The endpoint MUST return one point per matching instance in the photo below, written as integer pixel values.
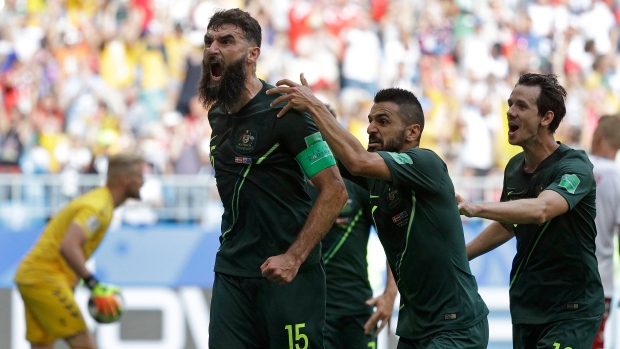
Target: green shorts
(347, 332)
(475, 337)
(572, 333)
(257, 313)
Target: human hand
(465, 207)
(297, 96)
(105, 301)
(384, 307)
(281, 269)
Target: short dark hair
(408, 105)
(552, 96)
(249, 26)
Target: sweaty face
(386, 130)
(220, 83)
(523, 118)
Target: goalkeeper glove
(104, 297)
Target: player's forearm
(390, 285)
(326, 209)
(76, 261)
(524, 211)
(342, 143)
(493, 236)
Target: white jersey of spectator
(596, 24)
(363, 53)
(481, 128)
(607, 175)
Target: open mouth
(216, 70)
(374, 143)
(512, 129)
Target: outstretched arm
(332, 197)
(342, 143)
(384, 304)
(549, 204)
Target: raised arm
(343, 144)
(332, 197)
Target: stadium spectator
(605, 145)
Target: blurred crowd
(83, 79)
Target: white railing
(169, 197)
(39, 197)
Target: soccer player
(605, 145)
(48, 274)
(548, 203)
(269, 287)
(350, 320)
(415, 215)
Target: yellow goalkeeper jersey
(44, 263)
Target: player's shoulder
(97, 199)
(574, 158)
(424, 155)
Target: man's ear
(412, 132)
(253, 54)
(546, 119)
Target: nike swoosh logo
(511, 191)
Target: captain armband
(315, 158)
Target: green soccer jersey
(344, 250)
(419, 225)
(554, 273)
(262, 186)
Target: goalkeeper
(48, 274)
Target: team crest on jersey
(246, 142)
(393, 198)
(570, 182)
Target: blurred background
(80, 80)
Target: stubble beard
(227, 92)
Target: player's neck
(537, 153)
(252, 87)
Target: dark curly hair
(250, 27)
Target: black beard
(393, 145)
(227, 92)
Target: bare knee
(42, 346)
(82, 340)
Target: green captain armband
(315, 158)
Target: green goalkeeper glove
(104, 302)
